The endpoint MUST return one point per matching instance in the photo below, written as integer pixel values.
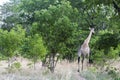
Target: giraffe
(84, 50)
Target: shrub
(117, 78)
(89, 75)
(16, 65)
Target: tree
(33, 48)
(58, 26)
(56, 22)
(63, 25)
(104, 16)
(105, 46)
(21, 12)
(11, 41)
(9, 15)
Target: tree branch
(116, 6)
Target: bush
(117, 78)
(16, 65)
(89, 75)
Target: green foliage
(11, 41)
(113, 53)
(55, 20)
(113, 72)
(108, 40)
(2, 57)
(16, 65)
(105, 46)
(117, 78)
(38, 49)
(98, 57)
(62, 25)
(58, 26)
(33, 48)
(95, 76)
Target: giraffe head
(92, 30)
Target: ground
(63, 71)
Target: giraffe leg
(82, 62)
(78, 63)
(87, 61)
(90, 60)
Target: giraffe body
(84, 50)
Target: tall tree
(58, 26)
(56, 21)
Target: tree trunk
(34, 62)
(34, 66)
(51, 59)
(9, 63)
(45, 61)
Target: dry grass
(63, 71)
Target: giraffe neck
(88, 38)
